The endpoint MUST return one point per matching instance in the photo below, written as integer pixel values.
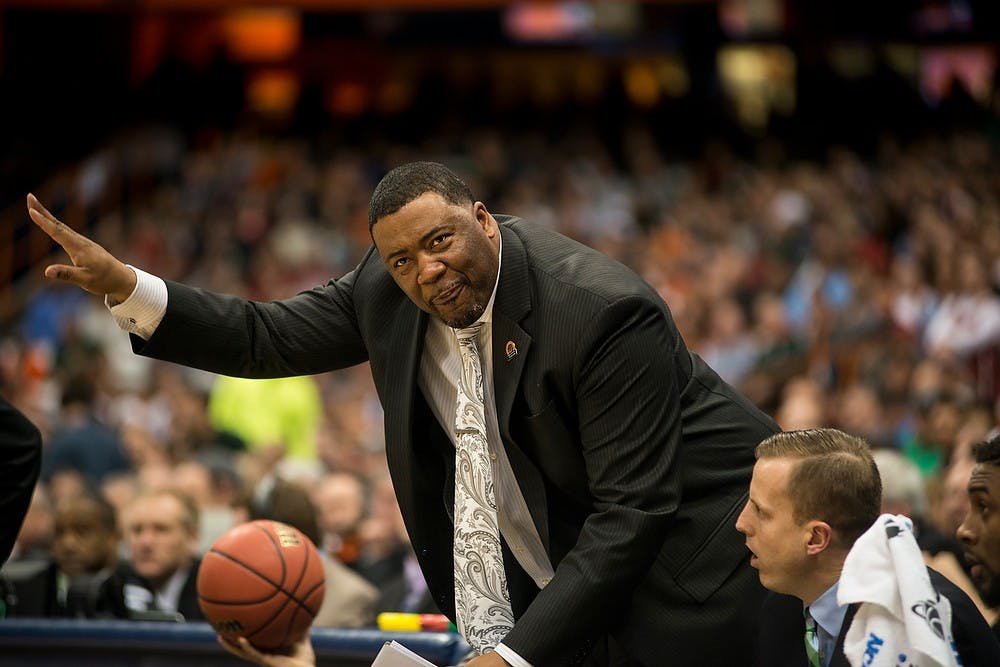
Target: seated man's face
(775, 539)
(159, 542)
(980, 531)
(84, 541)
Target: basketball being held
(264, 581)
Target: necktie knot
(469, 333)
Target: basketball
(262, 580)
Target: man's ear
(820, 536)
(483, 217)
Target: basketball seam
(300, 604)
(277, 587)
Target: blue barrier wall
(81, 643)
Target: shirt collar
(827, 613)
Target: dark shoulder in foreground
(20, 464)
(566, 260)
(976, 642)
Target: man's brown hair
(835, 479)
(190, 512)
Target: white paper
(394, 654)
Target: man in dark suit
(20, 463)
(161, 533)
(619, 460)
(980, 531)
(80, 579)
(812, 495)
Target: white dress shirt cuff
(145, 307)
(512, 658)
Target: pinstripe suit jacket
(633, 456)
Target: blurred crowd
(858, 291)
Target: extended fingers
(71, 274)
(49, 223)
(243, 649)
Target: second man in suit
(161, 532)
(813, 495)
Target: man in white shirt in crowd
(161, 532)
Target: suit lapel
(511, 345)
(406, 341)
(839, 659)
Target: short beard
(469, 318)
(990, 592)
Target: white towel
(901, 619)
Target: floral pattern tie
(482, 601)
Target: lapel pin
(511, 350)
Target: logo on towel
(894, 527)
(927, 610)
(872, 647)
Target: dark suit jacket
(782, 628)
(20, 462)
(633, 456)
(187, 603)
(31, 591)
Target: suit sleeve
(628, 396)
(20, 462)
(312, 332)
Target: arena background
(812, 186)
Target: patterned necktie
(482, 602)
(811, 639)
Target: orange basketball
(262, 580)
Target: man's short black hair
(988, 451)
(407, 182)
(107, 515)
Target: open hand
(94, 268)
(302, 653)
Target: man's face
(776, 541)
(82, 543)
(980, 532)
(159, 542)
(341, 504)
(445, 257)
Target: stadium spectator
(80, 579)
(83, 445)
(342, 503)
(161, 533)
(215, 486)
(980, 532)
(277, 418)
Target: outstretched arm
(313, 332)
(93, 268)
